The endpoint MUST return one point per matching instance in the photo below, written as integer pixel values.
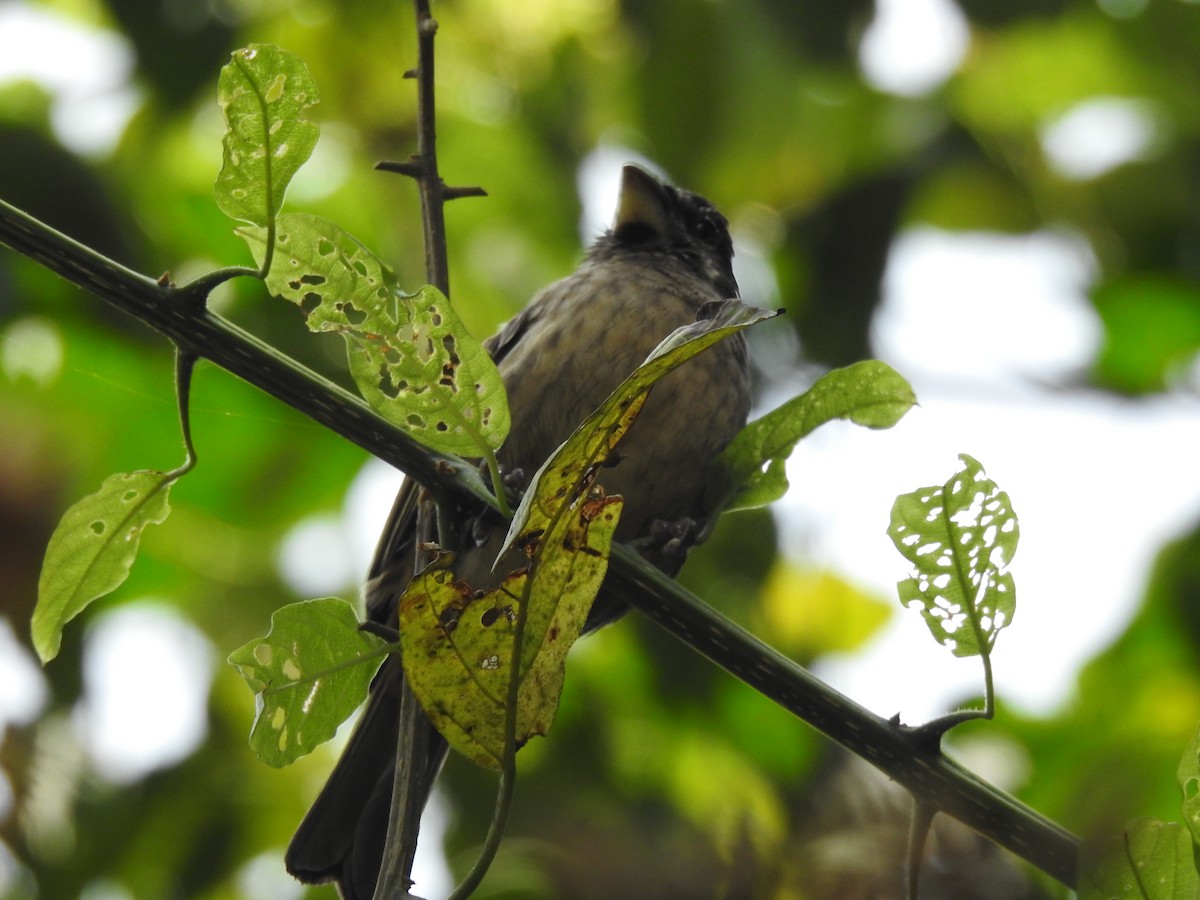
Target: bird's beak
(642, 202)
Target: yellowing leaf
(457, 647)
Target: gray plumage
(667, 255)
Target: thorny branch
(904, 754)
(423, 165)
(900, 753)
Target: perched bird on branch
(667, 255)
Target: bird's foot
(667, 542)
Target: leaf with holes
(264, 92)
(960, 539)
(869, 393)
(93, 548)
(310, 672)
(1151, 860)
(410, 355)
(457, 645)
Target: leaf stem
(268, 165)
(918, 834)
(935, 729)
(185, 364)
(508, 765)
(989, 694)
(198, 290)
(498, 486)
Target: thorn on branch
(454, 193)
(412, 168)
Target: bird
(665, 261)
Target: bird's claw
(667, 542)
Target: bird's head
(656, 218)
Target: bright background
(1000, 199)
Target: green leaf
(1188, 776)
(1151, 860)
(960, 538)
(869, 393)
(411, 356)
(457, 646)
(93, 548)
(337, 282)
(592, 443)
(310, 672)
(264, 92)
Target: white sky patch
(31, 348)
(147, 673)
(1098, 135)
(87, 70)
(1099, 484)
(431, 875)
(329, 554)
(265, 876)
(329, 166)
(367, 505)
(987, 307)
(314, 557)
(598, 181)
(23, 691)
(912, 46)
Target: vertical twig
(408, 792)
(423, 166)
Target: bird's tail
(342, 838)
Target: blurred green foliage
(663, 777)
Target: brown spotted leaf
(457, 647)
(410, 355)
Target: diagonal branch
(174, 312)
(903, 754)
